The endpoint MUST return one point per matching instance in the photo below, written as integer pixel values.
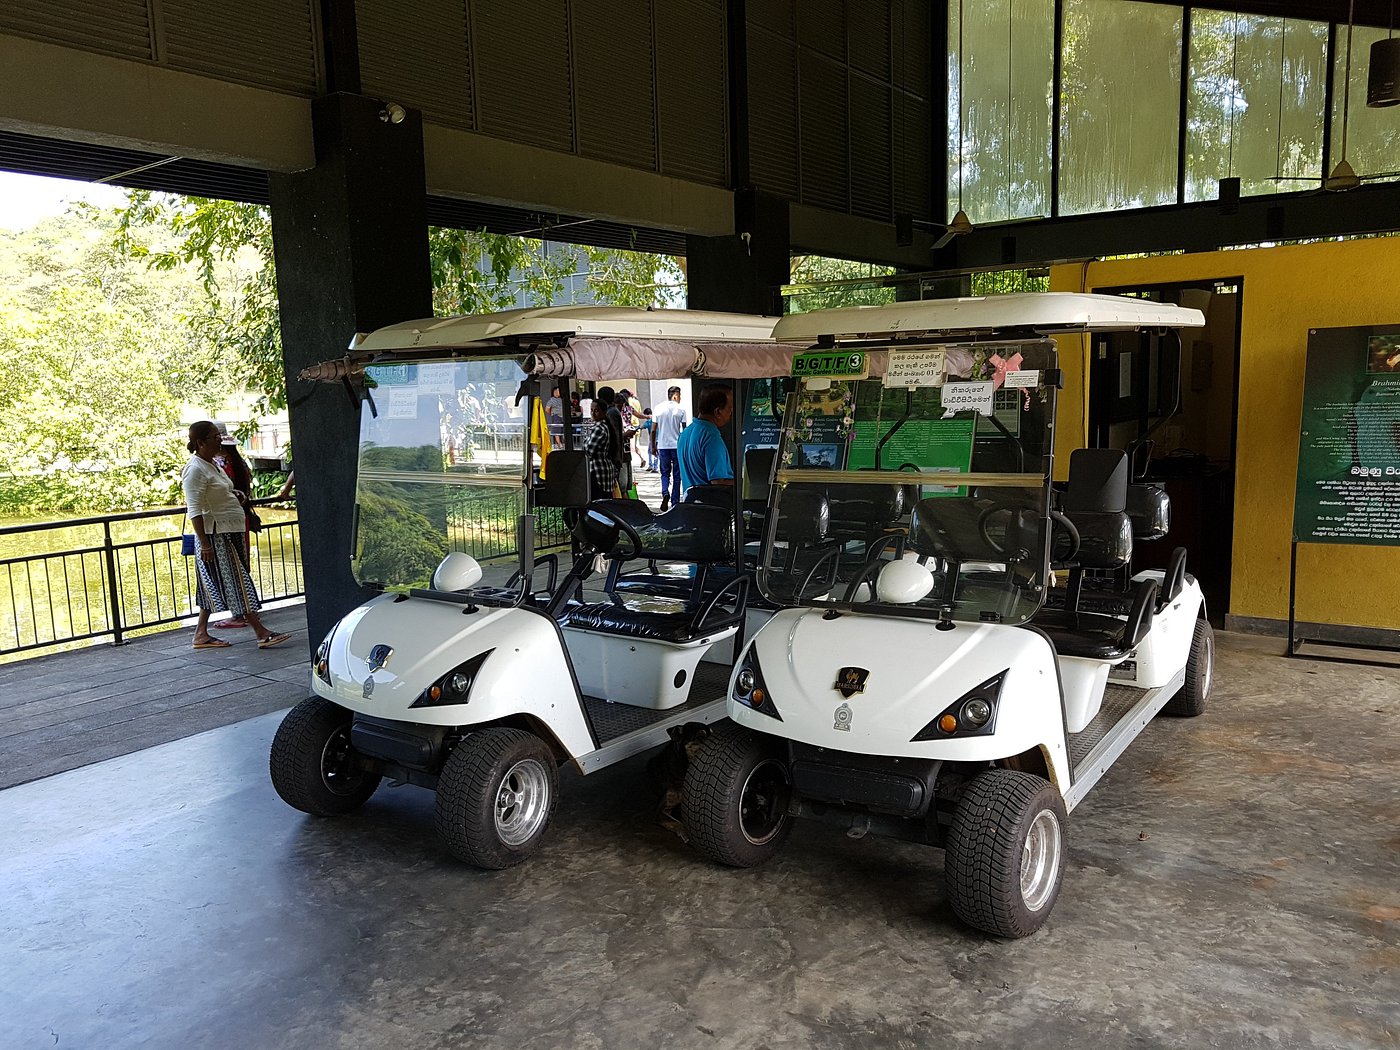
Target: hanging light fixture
(1383, 81)
(961, 224)
(1343, 176)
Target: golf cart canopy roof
(585, 342)
(548, 323)
(1041, 313)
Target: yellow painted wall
(1286, 291)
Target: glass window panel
(1255, 101)
(1373, 135)
(999, 95)
(1121, 107)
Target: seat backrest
(1098, 481)
(1150, 508)
(758, 469)
(693, 532)
(1096, 500)
(565, 482)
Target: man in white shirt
(670, 420)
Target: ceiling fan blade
(943, 241)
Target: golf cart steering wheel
(1062, 526)
(588, 527)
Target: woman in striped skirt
(216, 512)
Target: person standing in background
(216, 515)
(701, 451)
(608, 396)
(670, 420)
(598, 449)
(238, 471)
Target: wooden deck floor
(71, 709)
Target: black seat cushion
(666, 626)
(1090, 635)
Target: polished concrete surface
(1233, 882)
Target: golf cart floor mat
(611, 720)
(1118, 700)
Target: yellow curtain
(539, 433)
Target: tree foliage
(94, 365)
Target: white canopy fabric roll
(746, 360)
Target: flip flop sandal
(273, 640)
(213, 643)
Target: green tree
(229, 245)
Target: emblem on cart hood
(850, 681)
(379, 657)
(842, 718)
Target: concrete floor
(1233, 882)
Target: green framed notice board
(1348, 485)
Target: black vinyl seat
(1098, 636)
(669, 608)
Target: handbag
(188, 546)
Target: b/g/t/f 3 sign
(831, 364)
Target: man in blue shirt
(704, 458)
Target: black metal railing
(118, 575)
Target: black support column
(350, 239)
(743, 272)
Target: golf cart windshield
(441, 467)
(915, 480)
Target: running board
(645, 739)
(1117, 736)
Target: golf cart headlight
(455, 687)
(322, 663)
(749, 689)
(975, 713)
(972, 714)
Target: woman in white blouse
(216, 513)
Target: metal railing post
(114, 598)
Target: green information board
(1348, 487)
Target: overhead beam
(61, 92)
(1198, 227)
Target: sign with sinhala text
(1349, 446)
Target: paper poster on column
(968, 397)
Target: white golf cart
(481, 668)
(963, 649)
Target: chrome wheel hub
(1040, 860)
(522, 802)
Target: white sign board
(1028, 378)
(403, 402)
(963, 397)
(908, 368)
(435, 379)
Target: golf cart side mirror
(456, 572)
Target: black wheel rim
(339, 771)
(763, 802)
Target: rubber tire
(982, 856)
(1190, 700)
(296, 761)
(717, 775)
(467, 790)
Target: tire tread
(465, 813)
(294, 760)
(982, 863)
(712, 783)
